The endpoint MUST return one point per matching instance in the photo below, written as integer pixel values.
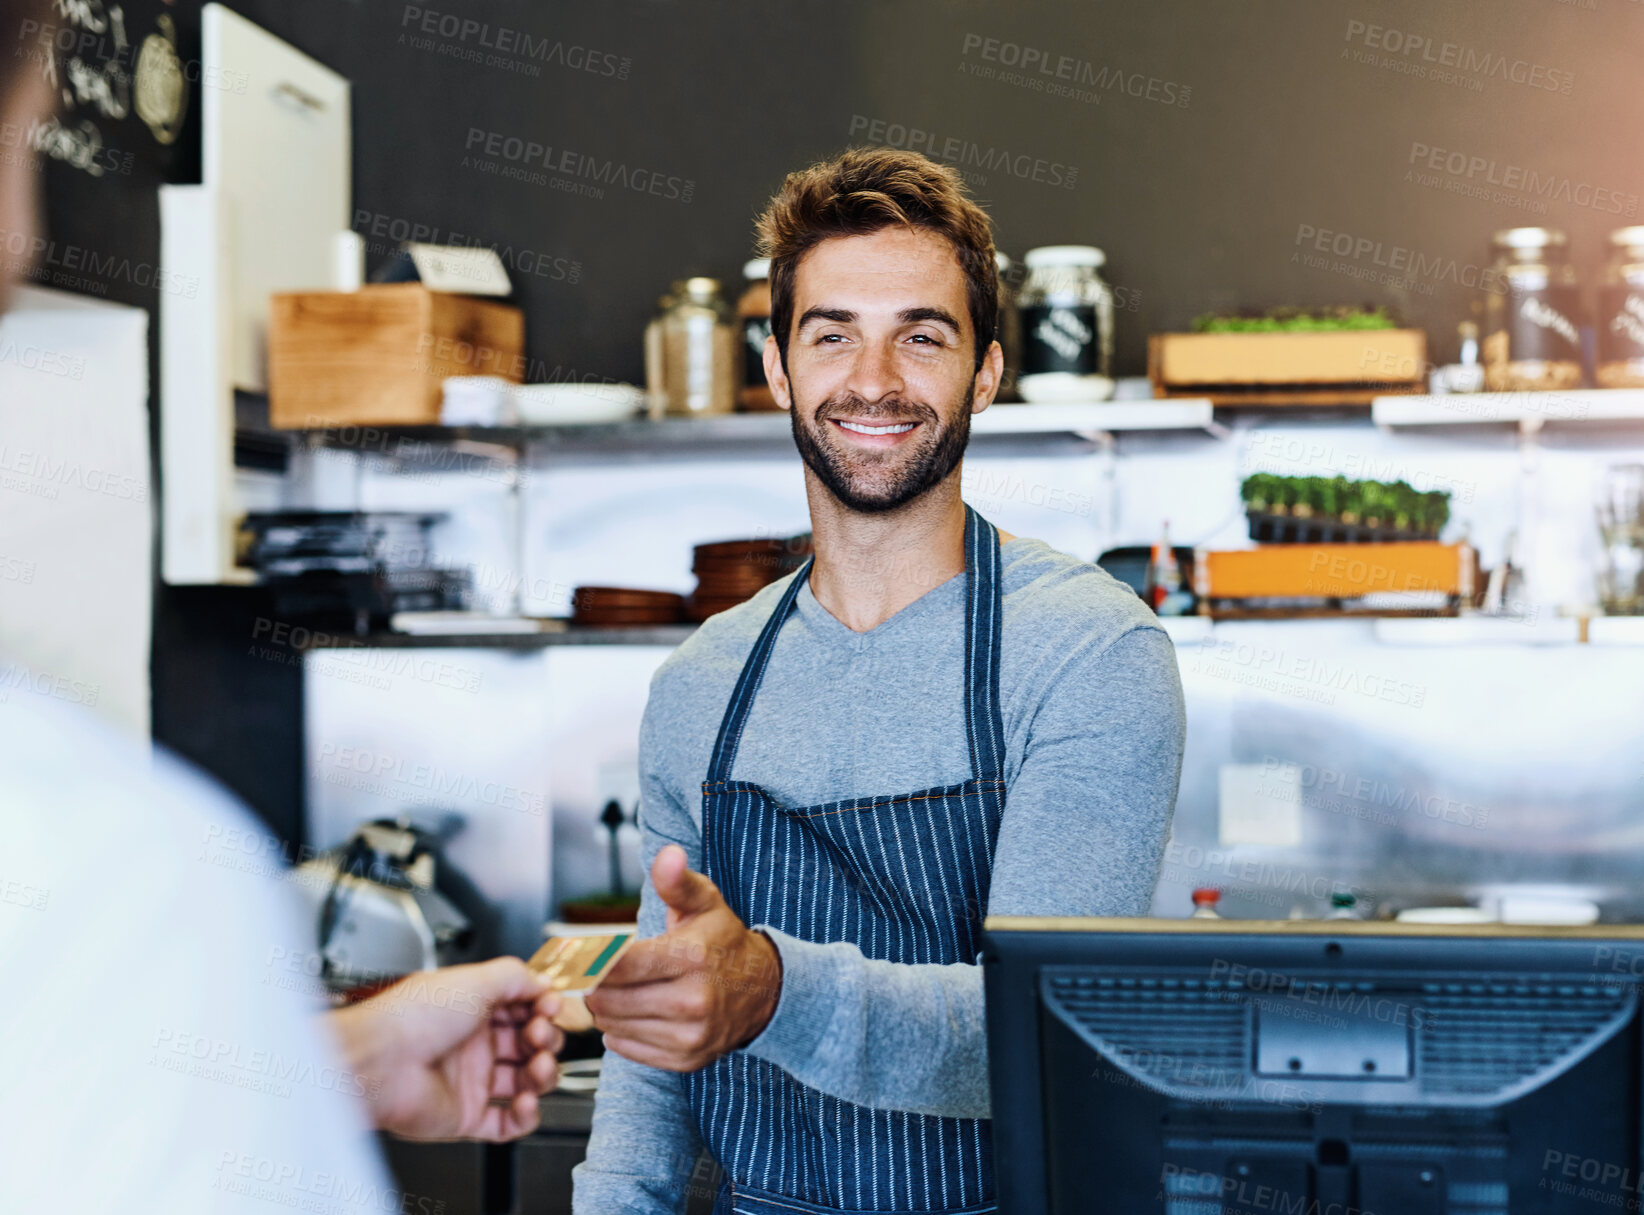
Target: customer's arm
(461, 1052)
(1083, 833)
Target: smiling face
(881, 374)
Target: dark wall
(1221, 139)
(1205, 146)
(698, 109)
(228, 700)
(1208, 147)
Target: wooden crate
(378, 355)
(1334, 571)
(1345, 368)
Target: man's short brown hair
(861, 191)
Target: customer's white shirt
(160, 1048)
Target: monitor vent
(1187, 1033)
(1478, 1042)
(1478, 1197)
(1486, 1038)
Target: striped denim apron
(904, 877)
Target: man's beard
(899, 476)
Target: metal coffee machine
(386, 904)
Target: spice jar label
(1540, 326)
(1060, 337)
(1621, 335)
(755, 329)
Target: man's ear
(776, 375)
(988, 378)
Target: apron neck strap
(984, 610)
(984, 721)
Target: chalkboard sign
(126, 78)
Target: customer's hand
(456, 1053)
(707, 986)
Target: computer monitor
(1313, 1067)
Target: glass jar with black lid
(753, 318)
(1621, 313)
(1010, 329)
(1532, 309)
(1066, 311)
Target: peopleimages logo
(392, 774)
(1272, 452)
(45, 476)
(501, 46)
(515, 157)
(1395, 265)
(1051, 72)
(297, 1187)
(1425, 57)
(964, 153)
(27, 249)
(1468, 173)
(386, 233)
(1274, 670)
(17, 677)
(36, 358)
(1334, 791)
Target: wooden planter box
(378, 356)
(1335, 571)
(1346, 368)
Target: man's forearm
(881, 1034)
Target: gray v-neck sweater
(1094, 726)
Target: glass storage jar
(1010, 330)
(1066, 311)
(1532, 340)
(1621, 313)
(691, 352)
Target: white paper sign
(460, 270)
(1260, 804)
(76, 506)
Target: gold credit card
(574, 966)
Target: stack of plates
(623, 607)
(732, 571)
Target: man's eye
(925, 338)
(829, 337)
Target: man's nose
(874, 375)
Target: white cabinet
(274, 194)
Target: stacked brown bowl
(624, 607)
(730, 572)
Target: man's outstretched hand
(708, 985)
(456, 1053)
